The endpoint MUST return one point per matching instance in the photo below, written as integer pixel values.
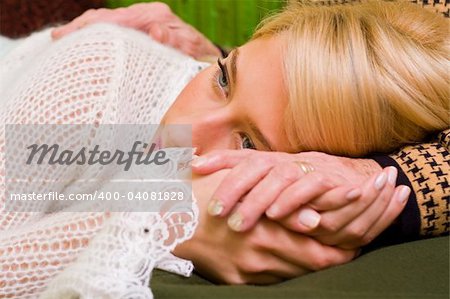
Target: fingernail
(194, 151)
(404, 194)
(273, 211)
(392, 175)
(198, 162)
(215, 207)
(235, 221)
(380, 181)
(353, 194)
(309, 218)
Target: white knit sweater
(102, 74)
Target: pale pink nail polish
(392, 175)
(309, 218)
(404, 194)
(380, 181)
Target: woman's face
(236, 103)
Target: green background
(226, 22)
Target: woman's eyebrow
(233, 68)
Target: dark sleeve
(425, 168)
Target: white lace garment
(103, 74)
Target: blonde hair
(362, 77)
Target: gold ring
(305, 166)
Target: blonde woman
(266, 95)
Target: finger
(220, 159)
(335, 198)
(161, 33)
(185, 40)
(334, 221)
(396, 206)
(154, 30)
(351, 236)
(307, 218)
(309, 253)
(299, 193)
(85, 19)
(235, 185)
(59, 32)
(175, 38)
(265, 262)
(263, 194)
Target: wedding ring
(305, 166)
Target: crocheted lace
(103, 74)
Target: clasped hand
(155, 19)
(342, 202)
(355, 200)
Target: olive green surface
(413, 270)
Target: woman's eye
(222, 78)
(246, 142)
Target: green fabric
(413, 270)
(227, 23)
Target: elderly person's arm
(156, 19)
(425, 168)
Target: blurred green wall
(226, 22)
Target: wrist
(183, 250)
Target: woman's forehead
(261, 87)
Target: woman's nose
(176, 135)
(209, 131)
(208, 137)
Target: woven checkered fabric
(438, 6)
(427, 167)
(441, 7)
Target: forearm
(425, 168)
